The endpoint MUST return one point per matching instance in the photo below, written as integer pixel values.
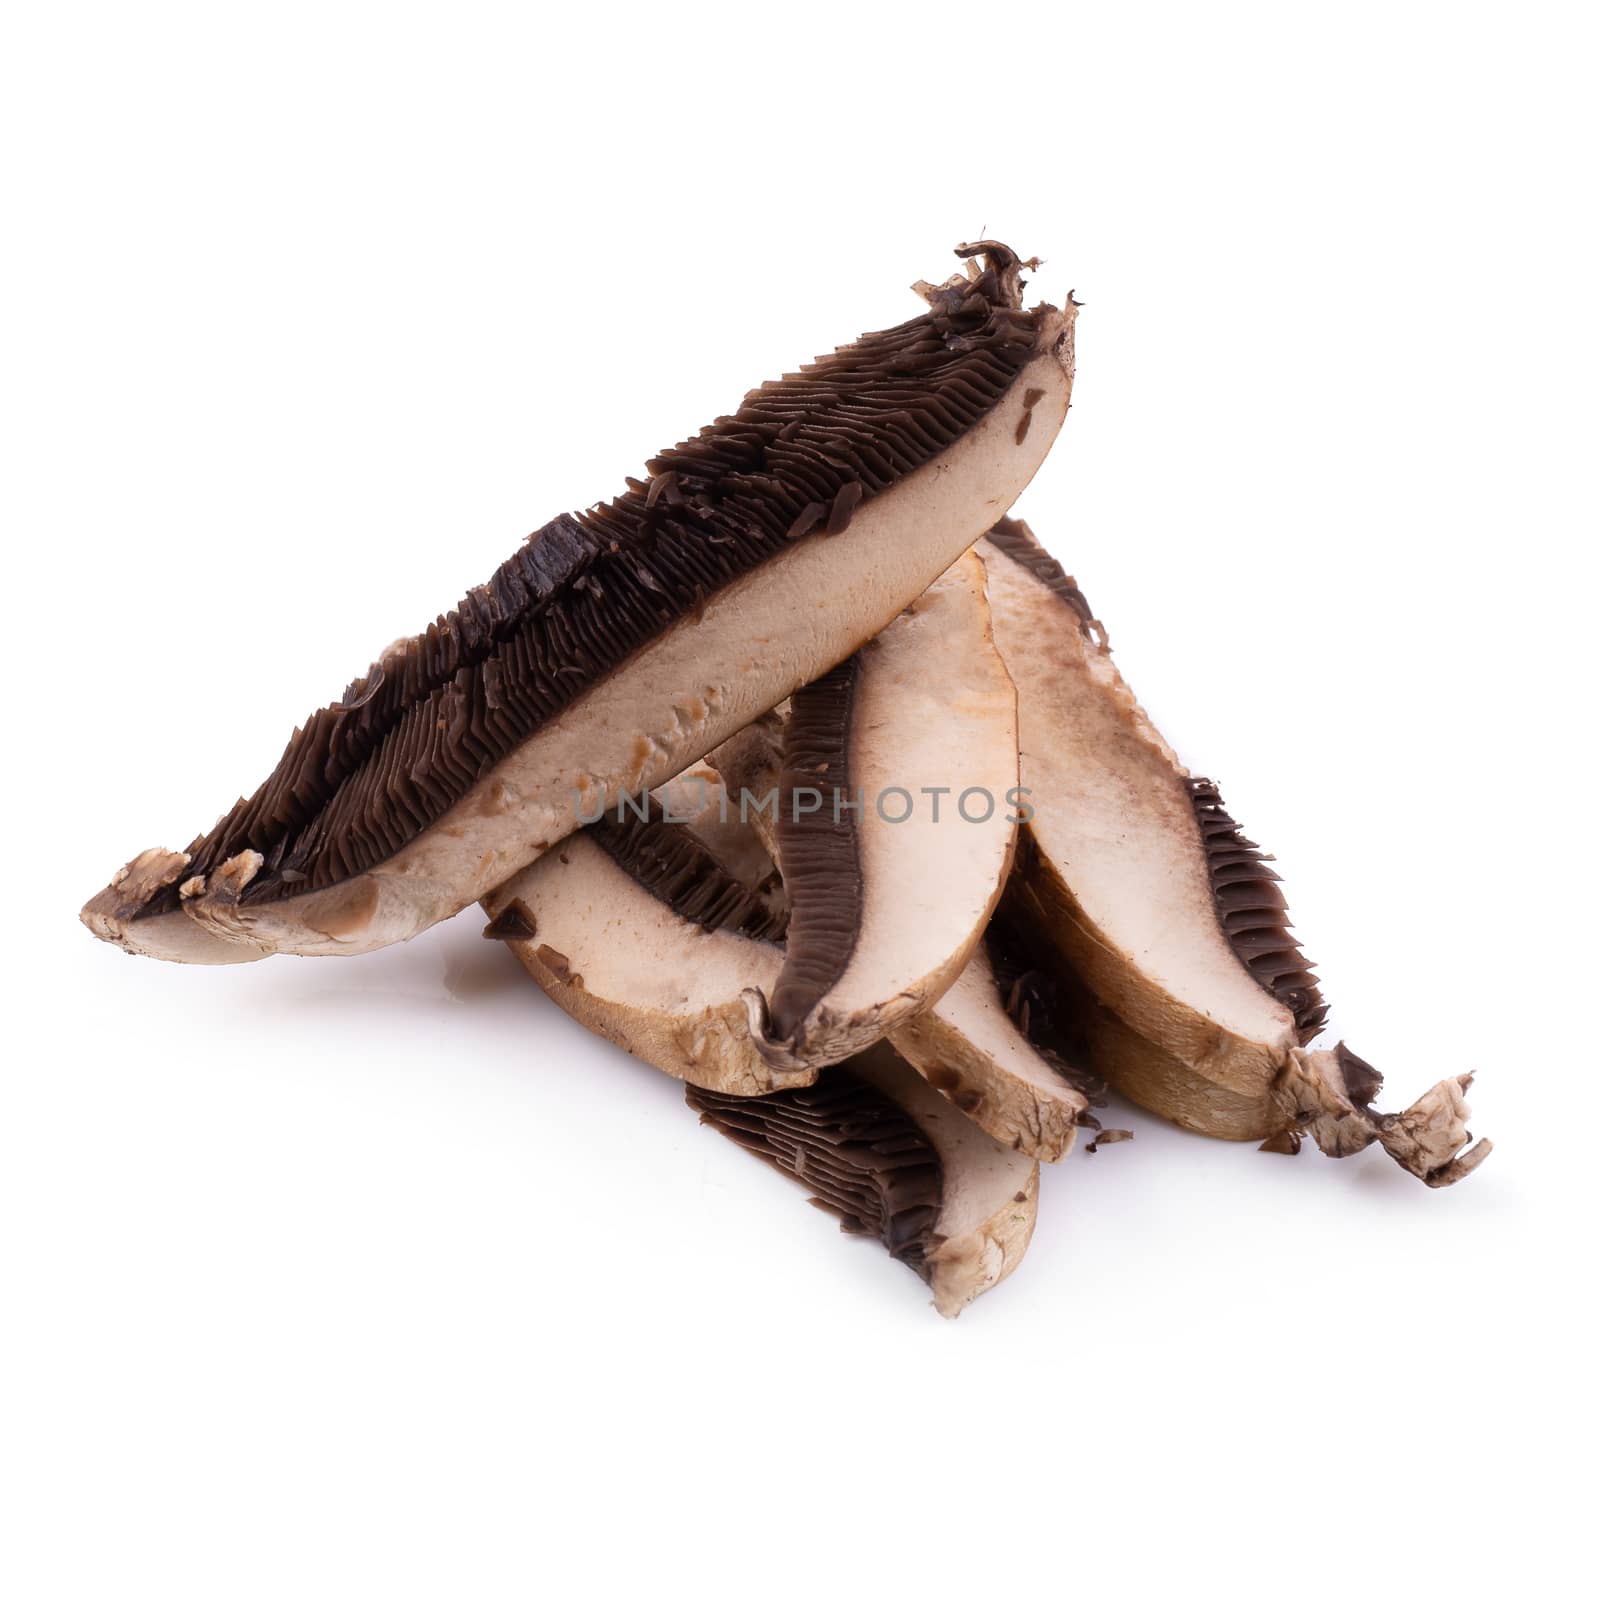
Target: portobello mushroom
(888, 1156)
(894, 827)
(1133, 878)
(622, 642)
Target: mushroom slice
(894, 826)
(637, 927)
(622, 642)
(879, 1149)
(1132, 876)
(1027, 1091)
(971, 1049)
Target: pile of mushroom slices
(803, 773)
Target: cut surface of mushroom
(888, 1156)
(621, 643)
(638, 930)
(1140, 885)
(971, 1050)
(894, 826)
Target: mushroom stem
(1429, 1139)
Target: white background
(380, 1277)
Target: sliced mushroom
(970, 1048)
(888, 1156)
(894, 826)
(637, 928)
(621, 643)
(968, 1043)
(1143, 888)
